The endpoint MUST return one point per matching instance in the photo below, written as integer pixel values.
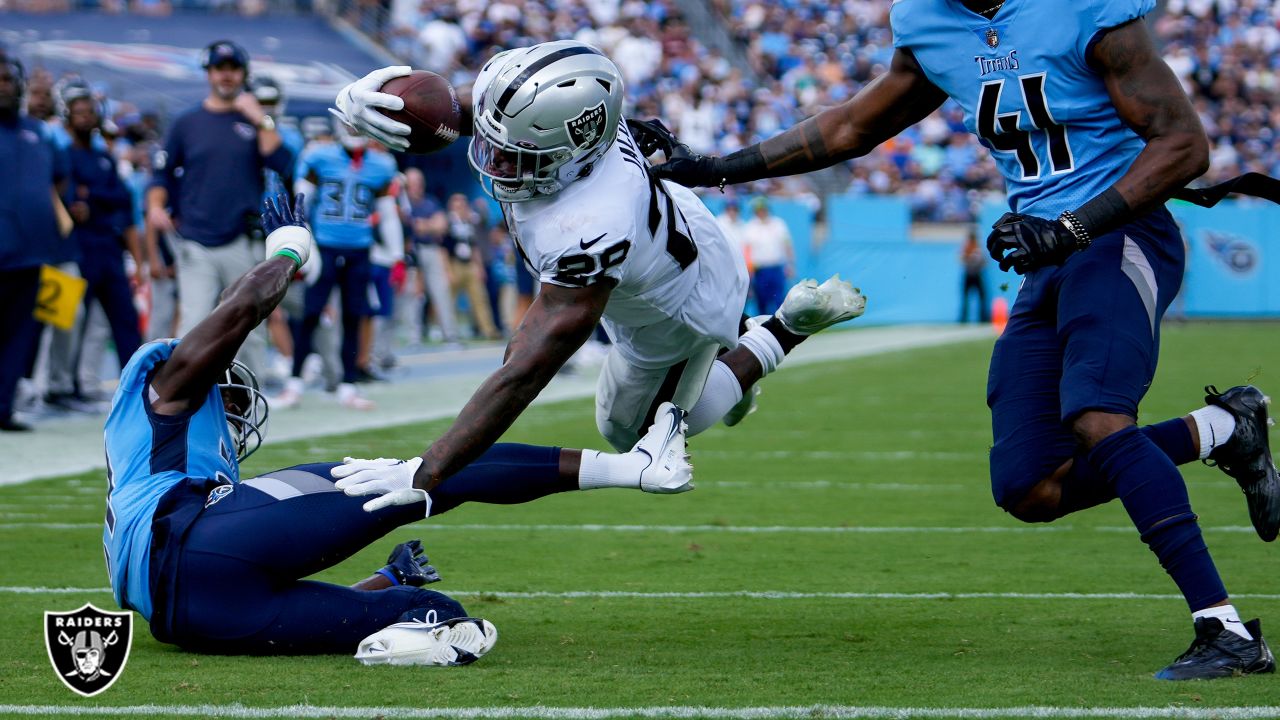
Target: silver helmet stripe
(529, 72)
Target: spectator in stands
(102, 207)
(466, 233)
(768, 243)
(428, 226)
(973, 259)
(28, 230)
(212, 181)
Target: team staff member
(212, 181)
(33, 167)
(102, 208)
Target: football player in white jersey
(610, 244)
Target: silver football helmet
(543, 115)
(246, 409)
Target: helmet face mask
(245, 407)
(542, 116)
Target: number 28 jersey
(678, 278)
(1028, 91)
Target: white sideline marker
(726, 594)
(541, 712)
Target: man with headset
(208, 191)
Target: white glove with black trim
(390, 479)
(358, 102)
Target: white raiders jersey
(679, 280)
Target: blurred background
(906, 223)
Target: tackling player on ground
(214, 563)
(610, 244)
(1093, 134)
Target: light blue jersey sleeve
(1106, 14)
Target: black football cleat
(1219, 653)
(1247, 455)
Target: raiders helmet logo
(587, 127)
(993, 38)
(88, 647)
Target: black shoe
(368, 375)
(10, 425)
(1246, 456)
(1217, 653)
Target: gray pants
(56, 359)
(203, 273)
(164, 307)
(433, 262)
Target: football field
(840, 557)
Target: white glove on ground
(357, 105)
(390, 479)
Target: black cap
(224, 51)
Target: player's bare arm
(204, 353)
(892, 102)
(1149, 99)
(560, 320)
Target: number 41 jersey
(1028, 91)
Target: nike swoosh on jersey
(597, 239)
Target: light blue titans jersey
(1027, 91)
(345, 193)
(147, 454)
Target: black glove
(652, 136)
(1025, 243)
(276, 213)
(409, 565)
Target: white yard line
(729, 594)
(542, 712)
(732, 529)
(74, 444)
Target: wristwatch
(267, 123)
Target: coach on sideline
(32, 168)
(212, 181)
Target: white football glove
(390, 479)
(357, 105)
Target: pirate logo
(993, 38)
(587, 127)
(88, 647)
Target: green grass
(897, 440)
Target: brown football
(431, 109)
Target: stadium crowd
(457, 276)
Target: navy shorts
(1083, 336)
(230, 581)
(349, 271)
(382, 296)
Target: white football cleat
(810, 307)
(460, 641)
(668, 470)
(351, 398)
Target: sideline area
(427, 386)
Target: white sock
(1215, 425)
(764, 346)
(601, 470)
(721, 393)
(1226, 614)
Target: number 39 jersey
(346, 191)
(678, 278)
(1028, 91)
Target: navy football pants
(238, 587)
(1082, 336)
